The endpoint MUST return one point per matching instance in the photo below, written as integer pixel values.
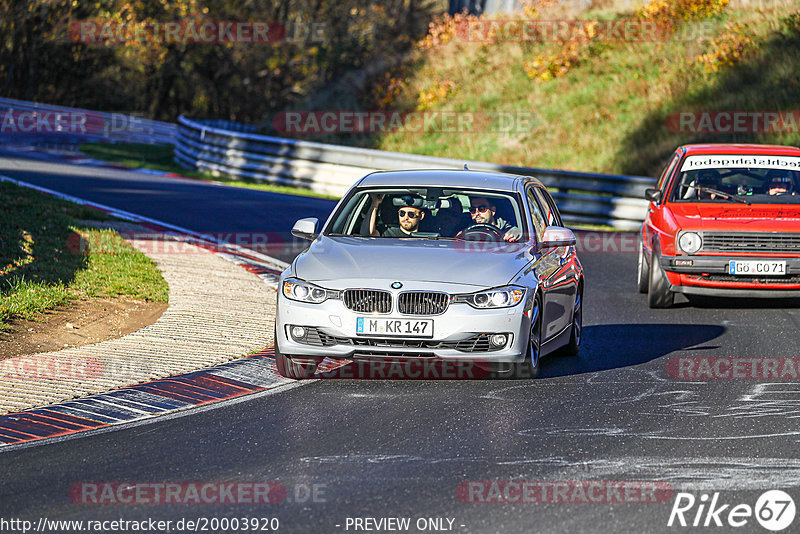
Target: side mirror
(305, 228)
(652, 194)
(557, 236)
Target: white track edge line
(122, 214)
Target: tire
(294, 367)
(658, 290)
(574, 345)
(530, 367)
(643, 275)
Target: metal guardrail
(35, 123)
(232, 149)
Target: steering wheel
(481, 232)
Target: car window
(535, 210)
(668, 168)
(419, 212)
(551, 215)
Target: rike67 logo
(774, 510)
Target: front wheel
(658, 291)
(294, 367)
(574, 345)
(530, 367)
(643, 274)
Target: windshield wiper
(726, 196)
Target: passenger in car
(409, 214)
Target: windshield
(427, 213)
(768, 181)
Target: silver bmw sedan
(445, 265)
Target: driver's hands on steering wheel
(512, 235)
(489, 230)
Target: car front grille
(476, 343)
(766, 242)
(368, 300)
(422, 303)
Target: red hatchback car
(723, 220)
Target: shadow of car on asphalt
(611, 346)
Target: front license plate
(368, 326)
(753, 267)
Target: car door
(562, 280)
(545, 264)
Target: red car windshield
(726, 184)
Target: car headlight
(690, 242)
(299, 290)
(501, 297)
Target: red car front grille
(757, 242)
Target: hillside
(599, 101)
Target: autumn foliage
(320, 41)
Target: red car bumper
(708, 275)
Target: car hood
(449, 261)
(737, 217)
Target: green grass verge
(50, 256)
(160, 158)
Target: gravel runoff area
(218, 311)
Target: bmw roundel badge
(397, 285)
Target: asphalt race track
(342, 450)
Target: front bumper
(709, 275)
(459, 323)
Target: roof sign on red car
(738, 161)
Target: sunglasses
(482, 208)
(411, 214)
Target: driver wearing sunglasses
(483, 211)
